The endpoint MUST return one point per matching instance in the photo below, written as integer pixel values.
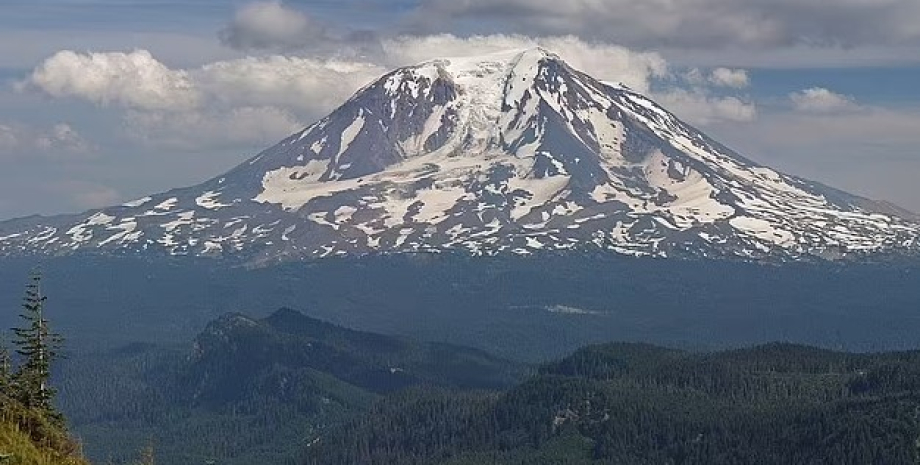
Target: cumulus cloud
(138, 81)
(689, 23)
(271, 25)
(249, 100)
(134, 79)
(718, 77)
(821, 100)
(58, 141)
(699, 108)
(726, 77)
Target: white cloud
(701, 109)
(59, 141)
(726, 77)
(138, 81)
(695, 77)
(249, 100)
(270, 25)
(603, 61)
(821, 100)
(135, 80)
(718, 77)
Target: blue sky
(105, 101)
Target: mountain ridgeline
(236, 349)
(510, 153)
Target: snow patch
(183, 219)
(351, 133)
(167, 204)
(137, 203)
(209, 201)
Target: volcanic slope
(514, 152)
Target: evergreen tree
(38, 347)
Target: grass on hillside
(17, 448)
(28, 437)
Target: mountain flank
(510, 153)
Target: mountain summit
(514, 152)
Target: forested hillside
(252, 390)
(638, 404)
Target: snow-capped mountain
(508, 153)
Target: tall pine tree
(39, 347)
